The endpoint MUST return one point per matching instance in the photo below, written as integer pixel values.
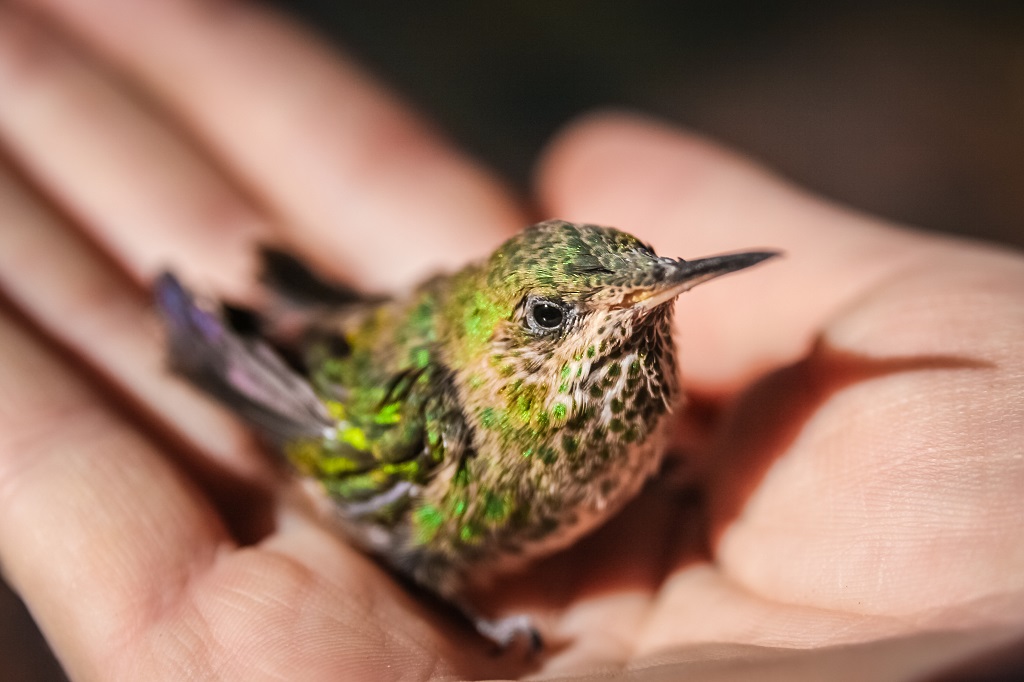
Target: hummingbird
(487, 418)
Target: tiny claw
(506, 632)
(536, 641)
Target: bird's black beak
(676, 276)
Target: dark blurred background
(914, 111)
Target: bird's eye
(545, 315)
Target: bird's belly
(545, 514)
(560, 515)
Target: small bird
(489, 417)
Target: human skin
(855, 430)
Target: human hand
(124, 496)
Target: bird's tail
(241, 371)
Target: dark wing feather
(290, 278)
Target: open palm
(849, 467)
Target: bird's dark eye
(545, 315)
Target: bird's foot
(510, 631)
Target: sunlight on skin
(33, 274)
(860, 463)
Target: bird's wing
(373, 431)
(401, 419)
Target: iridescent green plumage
(492, 416)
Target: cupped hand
(854, 429)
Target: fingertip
(588, 167)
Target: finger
(98, 533)
(350, 172)
(65, 285)
(135, 183)
(693, 199)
